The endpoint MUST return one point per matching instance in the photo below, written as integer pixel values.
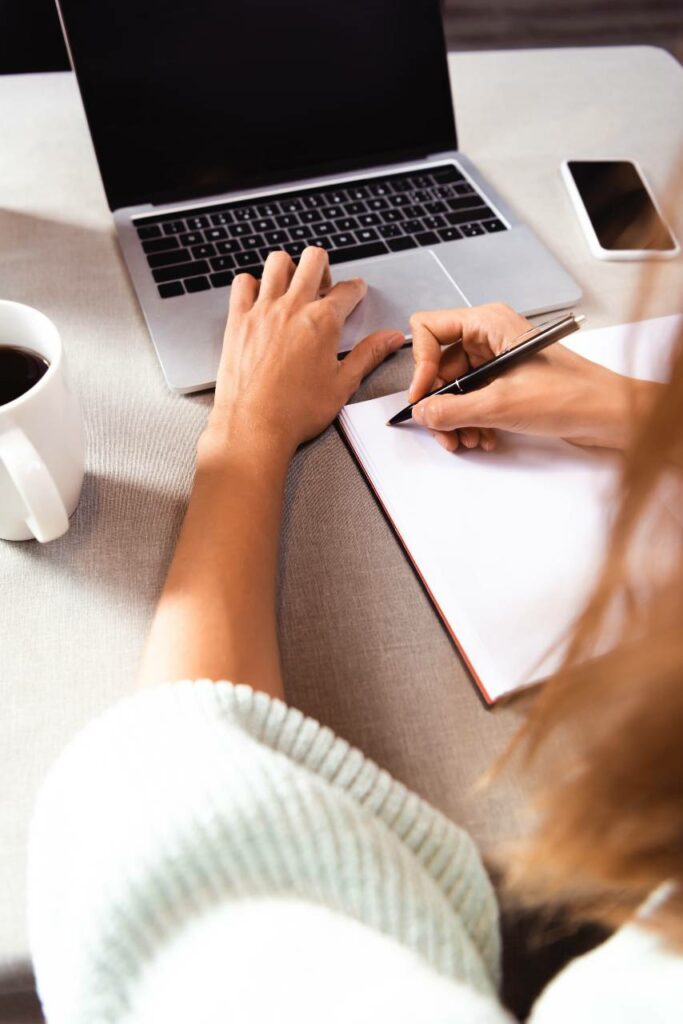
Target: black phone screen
(619, 206)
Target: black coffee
(20, 369)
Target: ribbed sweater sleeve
(194, 796)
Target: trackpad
(398, 286)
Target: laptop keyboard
(206, 247)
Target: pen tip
(580, 318)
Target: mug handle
(47, 517)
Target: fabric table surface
(363, 648)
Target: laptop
(225, 129)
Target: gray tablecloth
(363, 649)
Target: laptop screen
(186, 98)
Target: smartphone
(617, 211)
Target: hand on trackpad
(398, 286)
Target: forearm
(216, 618)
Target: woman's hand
(555, 393)
(280, 382)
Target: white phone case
(616, 254)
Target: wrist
(625, 410)
(224, 442)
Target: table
(363, 649)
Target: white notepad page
(506, 542)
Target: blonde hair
(609, 825)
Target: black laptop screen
(192, 97)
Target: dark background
(30, 37)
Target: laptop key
(228, 245)
(221, 218)
(291, 205)
(201, 252)
(368, 220)
(342, 239)
(463, 202)
(469, 215)
(333, 212)
(359, 192)
(435, 206)
(161, 244)
(264, 224)
(322, 241)
(366, 235)
(353, 209)
(336, 197)
(302, 231)
(399, 244)
(427, 238)
(357, 252)
(192, 268)
(449, 234)
(268, 209)
(237, 230)
(251, 241)
(191, 238)
(197, 223)
(287, 220)
(494, 225)
(433, 222)
(277, 236)
(165, 259)
(256, 270)
(392, 215)
(222, 262)
(347, 224)
(380, 188)
(411, 227)
(174, 227)
(151, 231)
(197, 284)
(169, 291)
(309, 216)
(245, 213)
(377, 204)
(295, 248)
(246, 259)
(221, 280)
(401, 199)
(471, 230)
(215, 234)
(448, 173)
(390, 230)
(314, 200)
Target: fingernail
(419, 414)
(396, 340)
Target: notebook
(507, 543)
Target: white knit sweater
(202, 853)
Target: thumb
(448, 412)
(368, 354)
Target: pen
(546, 334)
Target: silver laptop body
(510, 264)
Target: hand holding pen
(554, 393)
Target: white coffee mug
(42, 447)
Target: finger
(469, 437)
(243, 294)
(345, 296)
(431, 330)
(454, 363)
(326, 282)
(277, 274)
(451, 412)
(310, 274)
(487, 439)
(449, 441)
(367, 355)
